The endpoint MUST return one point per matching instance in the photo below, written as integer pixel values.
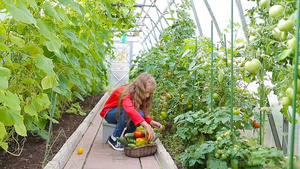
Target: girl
(133, 100)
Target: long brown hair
(137, 90)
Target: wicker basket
(141, 151)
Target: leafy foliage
(53, 48)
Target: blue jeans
(121, 124)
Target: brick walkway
(97, 155)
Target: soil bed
(34, 146)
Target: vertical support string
(295, 89)
(231, 69)
(212, 69)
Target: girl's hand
(156, 125)
(149, 131)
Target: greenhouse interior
(225, 94)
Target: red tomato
(165, 92)
(138, 134)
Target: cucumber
(131, 145)
(122, 141)
(131, 140)
(129, 135)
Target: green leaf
(19, 12)
(4, 76)
(66, 2)
(30, 109)
(62, 14)
(10, 100)
(45, 64)
(33, 49)
(234, 163)
(214, 163)
(54, 44)
(3, 132)
(21, 129)
(10, 117)
(70, 35)
(4, 145)
(33, 4)
(49, 10)
(43, 29)
(283, 54)
(16, 40)
(49, 82)
(3, 47)
(79, 96)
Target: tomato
(290, 93)
(140, 141)
(264, 3)
(182, 100)
(165, 104)
(162, 97)
(252, 38)
(216, 96)
(291, 43)
(138, 134)
(219, 139)
(165, 92)
(276, 10)
(278, 34)
(286, 25)
(164, 114)
(217, 155)
(257, 125)
(169, 74)
(228, 152)
(80, 151)
(224, 156)
(253, 66)
(286, 101)
(190, 106)
(168, 96)
(182, 95)
(236, 111)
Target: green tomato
(228, 152)
(278, 34)
(217, 155)
(216, 96)
(291, 43)
(286, 101)
(164, 114)
(236, 111)
(276, 10)
(219, 139)
(219, 151)
(264, 3)
(224, 156)
(253, 66)
(286, 25)
(252, 38)
(290, 93)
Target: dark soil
(33, 147)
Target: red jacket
(113, 102)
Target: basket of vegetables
(137, 145)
